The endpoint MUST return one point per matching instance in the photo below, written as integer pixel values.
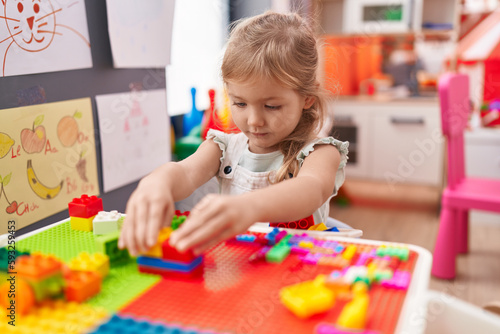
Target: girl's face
(265, 112)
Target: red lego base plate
(239, 297)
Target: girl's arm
(151, 205)
(217, 218)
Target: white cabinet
(396, 142)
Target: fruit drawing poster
(39, 36)
(47, 158)
(135, 135)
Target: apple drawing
(33, 140)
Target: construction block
(246, 237)
(23, 298)
(91, 262)
(85, 206)
(156, 250)
(278, 253)
(177, 221)
(354, 313)
(349, 252)
(8, 258)
(308, 298)
(108, 244)
(170, 265)
(318, 227)
(172, 254)
(167, 273)
(127, 324)
(37, 267)
(259, 255)
(400, 280)
(81, 224)
(301, 224)
(106, 222)
(81, 285)
(50, 287)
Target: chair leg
(443, 264)
(462, 232)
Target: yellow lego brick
(308, 298)
(156, 250)
(57, 316)
(353, 315)
(306, 244)
(91, 262)
(349, 252)
(318, 227)
(81, 224)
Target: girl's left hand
(214, 219)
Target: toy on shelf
(211, 118)
(193, 118)
(163, 259)
(82, 212)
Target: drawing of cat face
(31, 23)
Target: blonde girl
(275, 170)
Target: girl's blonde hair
(280, 47)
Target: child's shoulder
(342, 147)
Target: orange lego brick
(37, 266)
(81, 285)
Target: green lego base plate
(124, 281)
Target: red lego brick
(301, 224)
(171, 253)
(85, 206)
(37, 266)
(180, 213)
(81, 285)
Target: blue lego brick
(170, 265)
(246, 237)
(129, 325)
(333, 229)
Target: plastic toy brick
(167, 273)
(299, 250)
(306, 244)
(170, 265)
(48, 287)
(280, 236)
(318, 227)
(301, 224)
(354, 313)
(311, 258)
(82, 224)
(81, 285)
(122, 324)
(108, 244)
(308, 298)
(333, 229)
(91, 262)
(37, 266)
(400, 280)
(259, 255)
(156, 249)
(349, 252)
(106, 222)
(85, 206)
(278, 253)
(323, 328)
(246, 237)
(180, 213)
(177, 221)
(9, 257)
(334, 261)
(271, 236)
(170, 253)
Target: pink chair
(461, 194)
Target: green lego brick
(177, 221)
(108, 244)
(4, 257)
(124, 281)
(48, 287)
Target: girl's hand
(214, 219)
(149, 208)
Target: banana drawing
(39, 188)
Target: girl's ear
(309, 102)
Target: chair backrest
(455, 110)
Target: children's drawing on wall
(47, 157)
(43, 36)
(140, 32)
(135, 135)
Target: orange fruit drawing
(67, 131)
